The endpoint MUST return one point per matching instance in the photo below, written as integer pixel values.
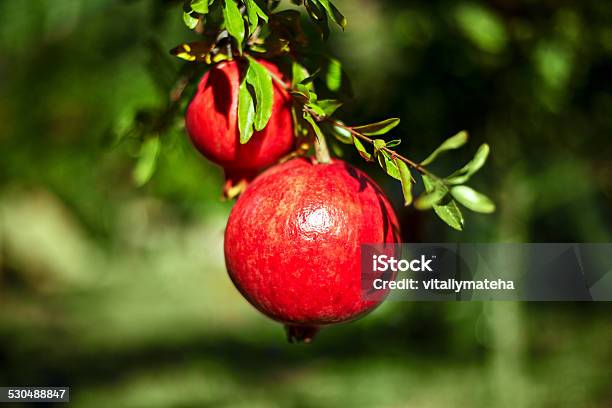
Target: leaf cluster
(251, 29)
(255, 99)
(253, 24)
(440, 194)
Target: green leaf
(393, 143)
(334, 13)
(234, 22)
(147, 161)
(306, 90)
(318, 16)
(450, 213)
(473, 200)
(333, 76)
(338, 17)
(429, 183)
(406, 179)
(435, 191)
(329, 106)
(303, 97)
(314, 126)
(246, 112)
(200, 6)
(252, 16)
(342, 134)
(379, 144)
(379, 128)
(317, 110)
(361, 149)
(254, 13)
(437, 196)
(428, 200)
(310, 79)
(190, 21)
(466, 172)
(388, 164)
(298, 74)
(262, 14)
(452, 143)
(259, 78)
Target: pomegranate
(212, 124)
(293, 243)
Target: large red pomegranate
(212, 123)
(292, 243)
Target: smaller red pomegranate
(212, 124)
(293, 243)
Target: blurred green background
(121, 293)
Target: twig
(393, 153)
(365, 138)
(357, 134)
